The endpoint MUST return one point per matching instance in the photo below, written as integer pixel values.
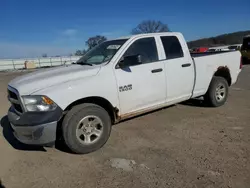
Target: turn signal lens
(47, 100)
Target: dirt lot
(186, 145)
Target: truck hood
(32, 82)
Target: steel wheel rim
(220, 92)
(89, 129)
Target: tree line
(221, 40)
(147, 26)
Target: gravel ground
(186, 145)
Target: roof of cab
(149, 35)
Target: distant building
(199, 50)
(225, 48)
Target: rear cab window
(172, 47)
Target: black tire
(210, 97)
(70, 123)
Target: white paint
(141, 79)
(179, 80)
(206, 66)
(174, 84)
(37, 80)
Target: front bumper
(36, 128)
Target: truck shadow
(1, 185)
(195, 103)
(60, 145)
(8, 135)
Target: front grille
(18, 107)
(14, 100)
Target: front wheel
(86, 128)
(217, 92)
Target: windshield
(102, 53)
(246, 44)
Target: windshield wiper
(83, 63)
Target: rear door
(179, 69)
(141, 86)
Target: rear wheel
(86, 128)
(217, 92)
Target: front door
(141, 86)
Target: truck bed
(206, 64)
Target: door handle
(186, 65)
(156, 70)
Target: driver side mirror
(130, 61)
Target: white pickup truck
(116, 80)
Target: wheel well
(104, 103)
(225, 73)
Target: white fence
(12, 64)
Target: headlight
(38, 103)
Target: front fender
(66, 93)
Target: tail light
(241, 63)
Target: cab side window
(145, 47)
(172, 47)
